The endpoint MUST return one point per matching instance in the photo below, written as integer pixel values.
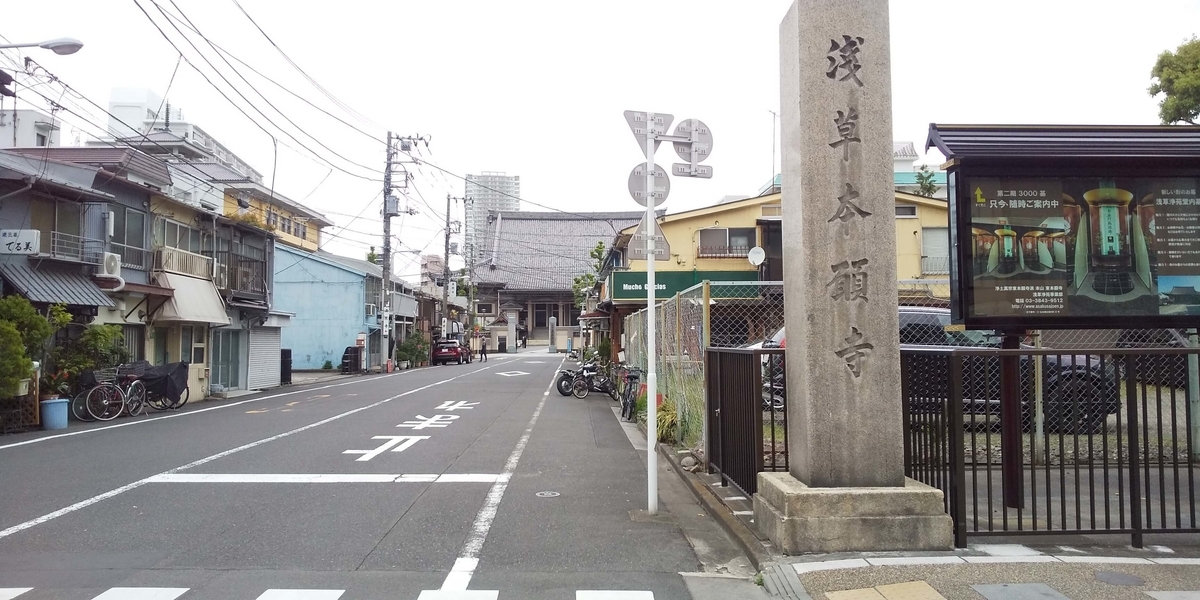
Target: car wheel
(460, 360)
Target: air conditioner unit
(111, 267)
(372, 310)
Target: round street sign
(703, 144)
(756, 256)
(637, 184)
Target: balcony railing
(72, 247)
(132, 258)
(237, 273)
(723, 251)
(935, 265)
(174, 260)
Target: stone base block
(799, 519)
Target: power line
(234, 104)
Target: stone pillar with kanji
(846, 489)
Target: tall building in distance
(488, 191)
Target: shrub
(328, 365)
(668, 421)
(57, 382)
(14, 365)
(605, 349)
(33, 328)
(414, 349)
(98, 347)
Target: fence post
(1193, 393)
(1035, 444)
(705, 370)
(1135, 448)
(681, 394)
(957, 492)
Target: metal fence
(1106, 441)
(747, 414)
(717, 314)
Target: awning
(195, 301)
(54, 285)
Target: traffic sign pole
(651, 357)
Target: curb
(746, 540)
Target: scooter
(589, 379)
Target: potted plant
(54, 385)
(15, 367)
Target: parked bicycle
(107, 393)
(629, 389)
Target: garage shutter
(264, 358)
(935, 250)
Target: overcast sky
(537, 89)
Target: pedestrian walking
(483, 350)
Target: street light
(58, 45)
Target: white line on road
(190, 412)
(10, 593)
(327, 478)
(141, 593)
(301, 595)
(139, 483)
(464, 567)
(612, 595)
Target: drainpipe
(28, 186)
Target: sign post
(693, 143)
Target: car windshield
(978, 338)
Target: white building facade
(488, 191)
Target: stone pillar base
(799, 519)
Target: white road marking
(10, 593)
(473, 478)
(1070, 549)
(456, 405)
(1162, 549)
(327, 478)
(143, 593)
(457, 580)
(417, 478)
(612, 595)
(742, 513)
(1005, 550)
(139, 483)
(459, 595)
(191, 412)
(513, 373)
(395, 443)
(731, 498)
(301, 595)
(535, 362)
(423, 422)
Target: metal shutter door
(264, 358)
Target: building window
(287, 225)
(935, 251)
(41, 139)
(483, 308)
(177, 235)
(133, 339)
(302, 231)
(772, 210)
(194, 349)
(906, 211)
(129, 236)
(721, 242)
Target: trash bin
(285, 366)
(352, 359)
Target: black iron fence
(746, 393)
(1102, 441)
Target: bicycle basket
(136, 369)
(105, 375)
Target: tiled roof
(111, 159)
(544, 250)
(53, 285)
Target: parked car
(1170, 370)
(449, 351)
(466, 351)
(1078, 391)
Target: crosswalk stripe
(10, 593)
(301, 595)
(613, 595)
(141, 593)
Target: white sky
(537, 89)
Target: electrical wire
(239, 108)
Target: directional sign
(701, 137)
(640, 127)
(637, 244)
(637, 184)
(685, 170)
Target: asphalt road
(419, 484)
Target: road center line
(193, 412)
(468, 559)
(139, 483)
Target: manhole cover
(546, 494)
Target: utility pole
(390, 207)
(446, 264)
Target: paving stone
(1018, 591)
(1117, 578)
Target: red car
(450, 351)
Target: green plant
(56, 383)
(926, 186)
(605, 349)
(668, 421)
(98, 347)
(414, 349)
(1178, 75)
(33, 328)
(14, 365)
(328, 365)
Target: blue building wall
(327, 300)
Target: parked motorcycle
(589, 379)
(565, 378)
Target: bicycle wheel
(183, 398)
(79, 407)
(579, 389)
(135, 398)
(105, 402)
(157, 401)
